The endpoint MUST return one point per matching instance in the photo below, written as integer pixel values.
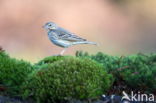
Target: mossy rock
(51, 59)
(68, 78)
(137, 71)
(12, 73)
(3, 54)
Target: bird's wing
(65, 35)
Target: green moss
(51, 59)
(141, 71)
(12, 73)
(68, 78)
(138, 71)
(82, 77)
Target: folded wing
(65, 35)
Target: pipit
(62, 37)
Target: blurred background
(120, 27)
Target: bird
(62, 37)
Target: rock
(88, 101)
(4, 99)
(8, 100)
(75, 101)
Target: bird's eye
(49, 24)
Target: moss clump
(68, 78)
(141, 71)
(137, 71)
(51, 59)
(12, 73)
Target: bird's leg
(63, 51)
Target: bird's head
(50, 26)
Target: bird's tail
(85, 42)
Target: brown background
(119, 26)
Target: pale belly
(62, 43)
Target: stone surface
(4, 99)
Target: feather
(65, 35)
